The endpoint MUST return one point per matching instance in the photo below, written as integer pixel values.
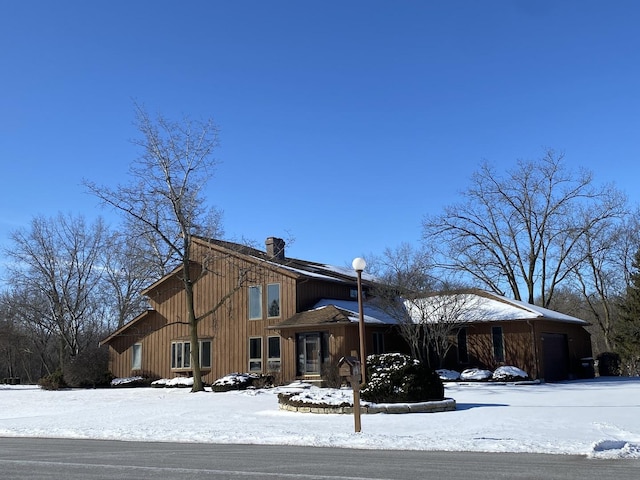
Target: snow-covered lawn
(599, 418)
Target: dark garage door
(555, 356)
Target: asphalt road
(37, 458)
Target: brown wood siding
(523, 345)
(518, 346)
(229, 327)
(311, 291)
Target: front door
(309, 351)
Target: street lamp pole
(359, 265)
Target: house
(492, 330)
(278, 315)
(263, 312)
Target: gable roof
(126, 326)
(331, 311)
(482, 306)
(294, 266)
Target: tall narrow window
(378, 343)
(498, 344)
(255, 354)
(186, 358)
(463, 349)
(255, 302)
(205, 353)
(273, 354)
(273, 300)
(136, 357)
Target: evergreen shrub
(609, 364)
(397, 378)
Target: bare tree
(31, 339)
(405, 291)
(55, 269)
(600, 276)
(165, 199)
(126, 272)
(403, 272)
(438, 317)
(404, 268)
(519, 232)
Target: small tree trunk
(193, 335)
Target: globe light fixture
(358, 264)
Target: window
(205, 353)
(378, 343)
(136, 357)
(181, 354)
(273, 300)
(255, 302)
(498, 344)
(255, 354)
(463, 349)
(273, 354)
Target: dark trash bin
(587, 367)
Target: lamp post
(358, 265)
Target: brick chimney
(275, 248)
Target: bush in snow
(53, 381)
(130, 382)
(509, 374)
(448, 375)
(609, 364)
(241, 381)
(397, 378)
(476, 375)
(176, 382)
(90, 368)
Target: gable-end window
(498, 344)
(255, 354)
(273, 300)
(273, 354)
(181, 354)
(463, 348)
(136, 357)
(255, 302)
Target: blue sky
(342, 124)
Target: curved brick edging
(446, 405)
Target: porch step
(315, 380)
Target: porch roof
(330, 311)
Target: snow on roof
(318, 270)
(371, 314)
(480, 307)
